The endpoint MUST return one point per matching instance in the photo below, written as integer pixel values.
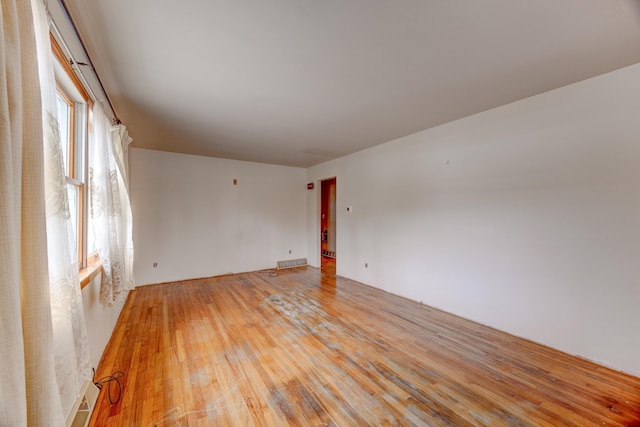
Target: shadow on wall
(153, 130)
(635, 7)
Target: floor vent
(82, 409)
(330, 254)
(290, 263)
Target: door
(328, 218)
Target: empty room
(320, 213)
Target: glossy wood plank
(312, 349)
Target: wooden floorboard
(311, 349)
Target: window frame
(80, 104)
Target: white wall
(100, 320)
(525, 217)
(192, 220)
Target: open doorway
(328, 225)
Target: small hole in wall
(235, 182)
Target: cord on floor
(272, 272)
(109, 380)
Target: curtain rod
(116, 119)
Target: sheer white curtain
(110, 208)
(121, 140)
(71, 348)
(27, 374)
(43, 350)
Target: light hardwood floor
(312, 349)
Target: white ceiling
(300, 82)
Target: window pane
(73, 192)
(64, 118)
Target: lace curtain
(71, 347)
(110, 209)
(44, 350)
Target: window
(65, 118)
(73, 107)
(75, 187)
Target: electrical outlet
(155, 264)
